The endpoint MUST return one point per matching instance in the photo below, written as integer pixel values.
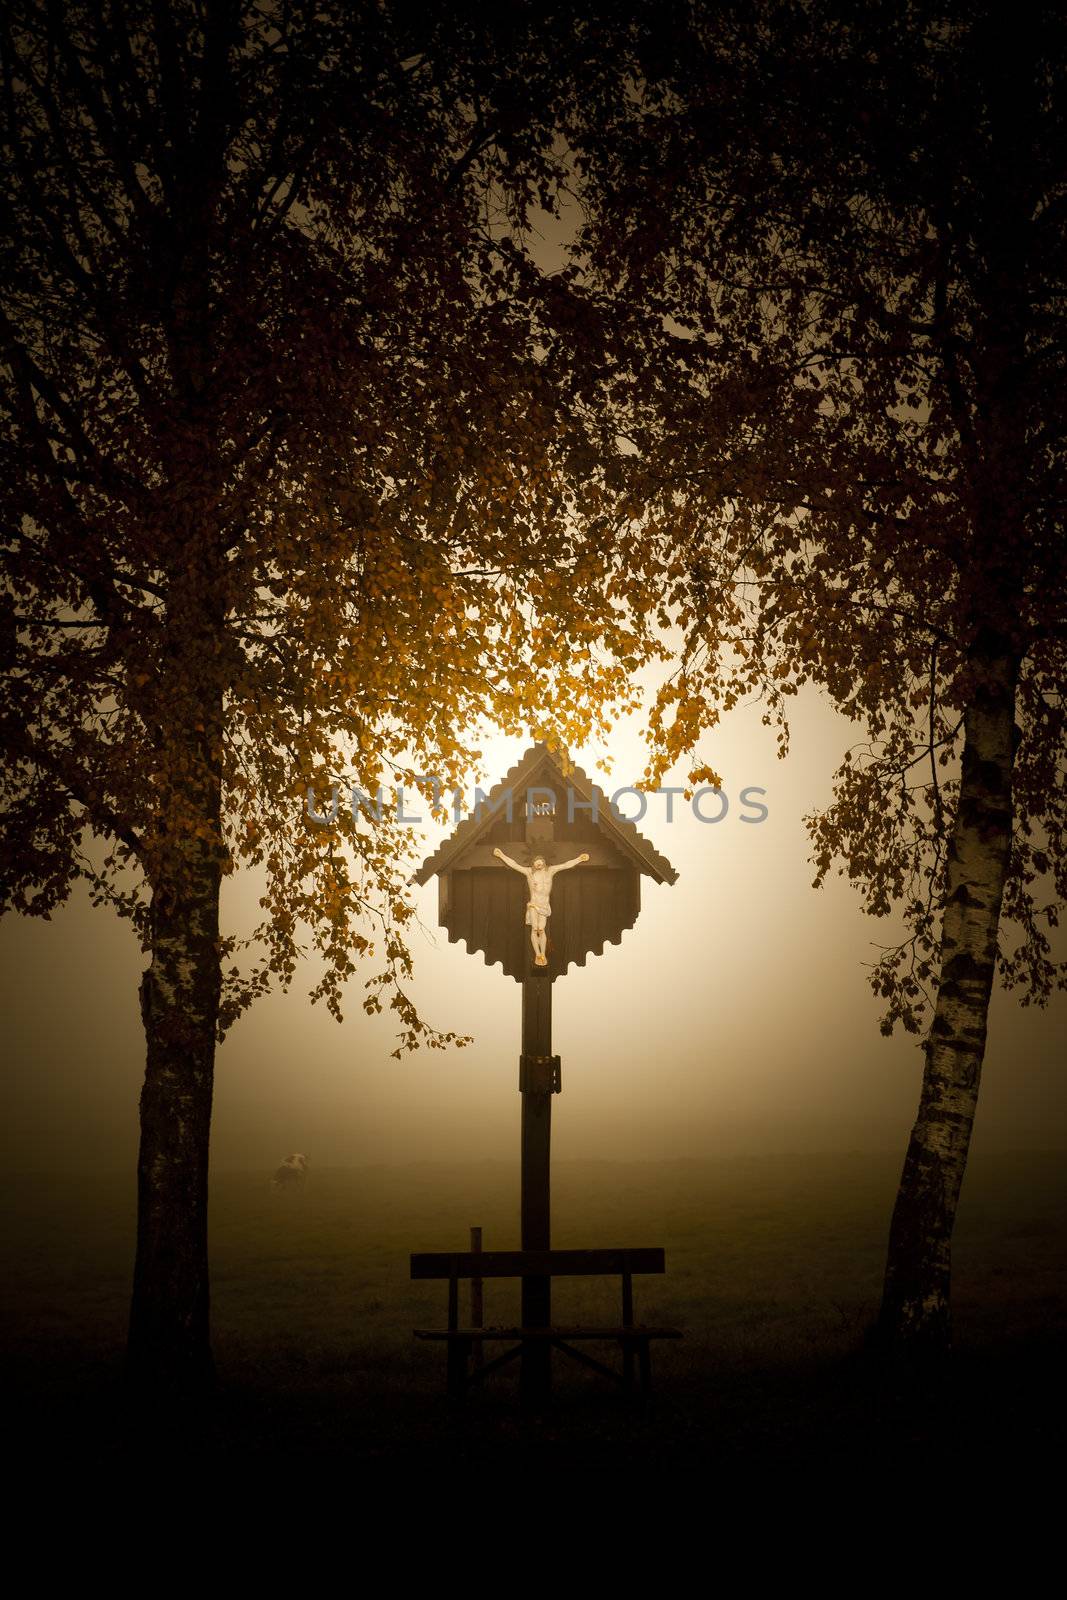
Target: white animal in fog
(292, 1174)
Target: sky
(734, 1018)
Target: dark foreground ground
(773, 1270)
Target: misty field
(773, 1271)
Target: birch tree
(826, 248)
(284, 487)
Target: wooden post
(477, 1301)
(536, 1215)
(627, 1322)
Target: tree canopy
(842, 390)
(286, 366)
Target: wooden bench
(633, 1338)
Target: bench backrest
(534, 1263)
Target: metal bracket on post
(540, 1075)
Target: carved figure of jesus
(539, 877)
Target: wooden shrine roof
(618, 831)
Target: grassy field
(773, 1271)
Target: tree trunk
(169, 1354)
(915, 1307)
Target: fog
(734, 1017)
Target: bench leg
(644, 1356)
(628, 1365)
(458, 1355)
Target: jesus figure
(539, 877)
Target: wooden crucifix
(542, 875)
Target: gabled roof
(619, 832)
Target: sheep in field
(292, 1174)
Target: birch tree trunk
(915, 1307)
(168, 1352)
